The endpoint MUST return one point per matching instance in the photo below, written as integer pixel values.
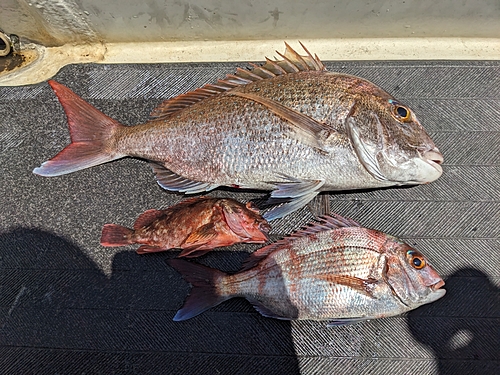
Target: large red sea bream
(288, 126)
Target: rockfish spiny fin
(203, 295)
(324, 223)
(91, 132)
(148, 217)
(169, 180)
(292, 63)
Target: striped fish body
(331, 274)
(332, 270)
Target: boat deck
(70, 306)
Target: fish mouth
(438, 285)
(428, 166)
(434, 158)
(264, 228)
(436, 292)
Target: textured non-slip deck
(70, 306)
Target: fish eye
(252, 207)
(402, 112)
(415, 259)
(399, 111)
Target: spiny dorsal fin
(322, 224)
(147, 218)
(291, 63)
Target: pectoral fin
(198, 238)
(364, 286)
(301, 192)
(305, 128)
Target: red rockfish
(196, 225)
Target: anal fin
(265, 311)
(149, 249)
(346, 321)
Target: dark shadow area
(463, 328)
(60, 314)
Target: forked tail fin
(204, 294)
(90, 132)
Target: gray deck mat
(70, 306)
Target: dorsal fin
(291, 62)
(147, 218)
(322, 224)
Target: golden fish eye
(399, 111)
(415, 259)
(402, 112)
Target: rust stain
(15, 61)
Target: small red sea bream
(288, 126)
(332, 270)
(195, 225)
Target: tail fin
(115, 235)
(90, 131)
(204, 294)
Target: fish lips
(427, 167)
(434, 159)
(436, 292)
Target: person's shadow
(463, 328)
(60, 314)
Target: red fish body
(332, 270)
(196, 225)
(288, 126)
